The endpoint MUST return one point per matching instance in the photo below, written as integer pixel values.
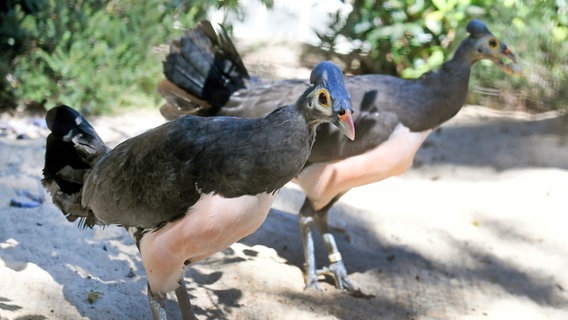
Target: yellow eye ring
(323, 98)
(492, 43)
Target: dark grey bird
(193, 186)
(393, 117)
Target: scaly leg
(336, 267)
(306, 221)
(156, 301)
(307, 217)
(183, 301)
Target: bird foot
(312, 282)
(338, 273)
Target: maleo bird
(193, 186)
(393, 117)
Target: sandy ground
(477, 229)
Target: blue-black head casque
(477, 29)
(328, 75)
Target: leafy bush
(14, 40)
(94, 55)
(102, 54)
(408, 38)
(404, 38)
(537, 31)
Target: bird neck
(443, 94)
(295, 121)
(307, 114)
(456, 73)
(465, 54)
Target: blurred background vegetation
(96, 55)
(101, 55)
(408, 38)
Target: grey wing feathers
(157, 176)
(260, 99)
(138, 183)
(374, 121)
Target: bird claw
(338, 273)
(312, 282)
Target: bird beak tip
(510, 65)
(346, 125)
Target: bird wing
(138, 182)
(373, 119)
(261, 98)
(157, 176)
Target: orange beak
(346, 125)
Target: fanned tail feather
(71, 149)
(203, 69)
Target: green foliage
(93, 296)
(13, 41)
(93, 55)
(102, 54)
(404, 38)
(537, 31)
(408, 38)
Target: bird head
(328, 98)
(487, 46)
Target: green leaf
(559, 33)
(433, 21)
(93, 296)
(436, 59)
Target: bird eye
(492, 43)
(323, 98)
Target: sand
(477, 229)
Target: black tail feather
(205, 63)
(71, 149)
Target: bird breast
(210, 226)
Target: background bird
(393, 117)
(190, 187)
